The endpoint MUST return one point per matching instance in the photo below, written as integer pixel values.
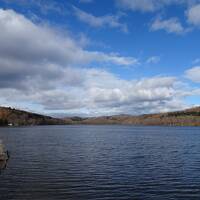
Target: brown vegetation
(11, 116)
(190, 117)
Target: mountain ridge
(15, 117)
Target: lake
(101, 163)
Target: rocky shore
(4, 156)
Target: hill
(14, 117)
(189, 117)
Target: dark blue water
(101, 162)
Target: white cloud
(171, 25)
(42, 44)
(99, 92)
(143, 5)
(45, 6)
(193, 15)
(193, 74)
(153, 60)
(85, 1)
(111, 21)
(151, 5)
(42, 67)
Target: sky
(99, 57)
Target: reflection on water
(3, 164)
(101, 162)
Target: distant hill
(14, 117)
(189, 117)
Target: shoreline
(10, 117)
(134, 125)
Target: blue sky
(100, 57)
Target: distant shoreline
(10, 117)
(131, 125)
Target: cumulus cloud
(99, 92)
(42, 44)
(42, 67)
(193, 15)
(171, 25)
(111, 21)
(193, 74)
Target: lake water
(101, 163)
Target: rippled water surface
(101, 162)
